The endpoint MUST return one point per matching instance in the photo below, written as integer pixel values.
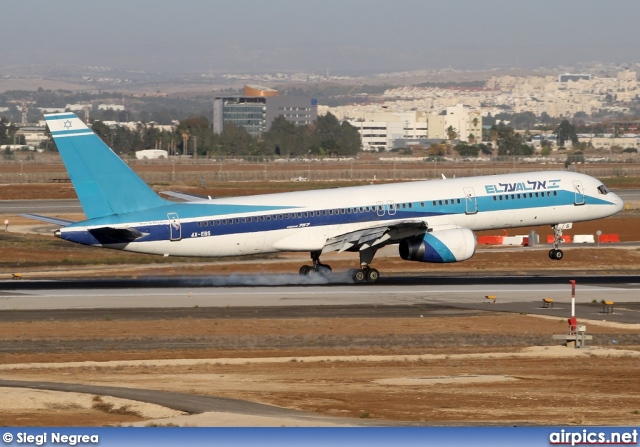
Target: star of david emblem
(67, 124)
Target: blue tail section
(103, 182)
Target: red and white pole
(573, 321)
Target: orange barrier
(566, 238)
(490, 240)
(609, 238)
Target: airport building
(389, 130)
(259, 106)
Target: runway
(43, 206)
(513, 294)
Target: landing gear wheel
(556, 254)
(373, 275)
(359, 276)
(323, 269)
(317, 267)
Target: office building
(259, 106)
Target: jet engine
(454, 245)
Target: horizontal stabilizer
(47, 219)
(186, 196)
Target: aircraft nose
(618, 202)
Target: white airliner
(431, 221)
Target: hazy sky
(344, 36)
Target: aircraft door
(391, 207)
(579, 193)
(175, 228)
(470, 201)
(380, 208)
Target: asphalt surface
(40, 206)
(188, 403)
(246, 294)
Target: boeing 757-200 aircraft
(431, 221)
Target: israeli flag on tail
(104, 183)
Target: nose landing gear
(555, 253)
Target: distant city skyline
(343, 37)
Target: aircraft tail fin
(104, 183)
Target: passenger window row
(331, 212)
(284, 216)
(524, 195)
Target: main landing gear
(365, 274)
(555, 253)
(317, 267)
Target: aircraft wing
(47, 219)
(185, 196)
(375, 237)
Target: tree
(197, 130)
(329, 136)
(466, 150)
(7, 131)
(436, 149)
(494, 135)
(235, 140)
(452, 133)
(511, 142)
(102, 130)
(283, 138)
(524, 120)
(565, 132)
(349, 141)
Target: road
(194, 403)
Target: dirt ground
(473, 370)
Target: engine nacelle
(454, 245)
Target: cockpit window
(603, 190)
